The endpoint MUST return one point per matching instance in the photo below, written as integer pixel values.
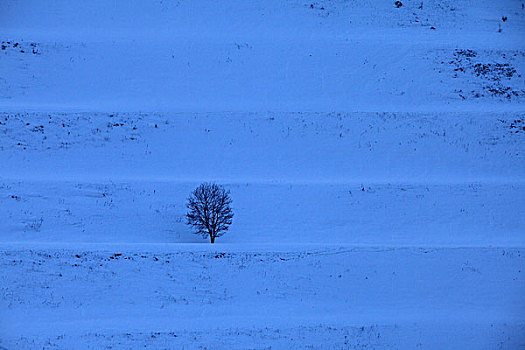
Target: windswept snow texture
(374, 150)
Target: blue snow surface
(374, 150)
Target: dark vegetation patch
(19, 47)
(38, 131)
(494, 72)
(516, 126)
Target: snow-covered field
(233, 296)
(375, 156)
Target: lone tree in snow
(209, 210)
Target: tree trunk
(212, 239)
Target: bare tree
(209, 211)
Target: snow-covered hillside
(251, 56)
(248, 297)
(374, 153)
